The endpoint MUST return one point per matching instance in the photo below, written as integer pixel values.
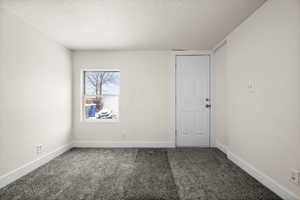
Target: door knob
(207, 105)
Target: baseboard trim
(222, 147)
(29, 167)
(125, 144)
(262, 178)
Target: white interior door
(192, 100)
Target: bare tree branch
(91, 81)
(98, 79)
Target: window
(101, 95)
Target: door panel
(192, 92)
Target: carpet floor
(138, 174)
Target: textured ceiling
(134, 24)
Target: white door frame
(173, 92)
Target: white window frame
(83, 96)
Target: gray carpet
(138, 174)
(208, 174)
(152, 177)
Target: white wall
(145, 109)
(263, 126)
(219, 96)
(35, 101)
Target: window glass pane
(98, 83)
(101, 100)
(105, 107)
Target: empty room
(150, 100)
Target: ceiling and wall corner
(134, 24)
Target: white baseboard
(121, 144)
(263, 178)
(29, 167)
(222, 147)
